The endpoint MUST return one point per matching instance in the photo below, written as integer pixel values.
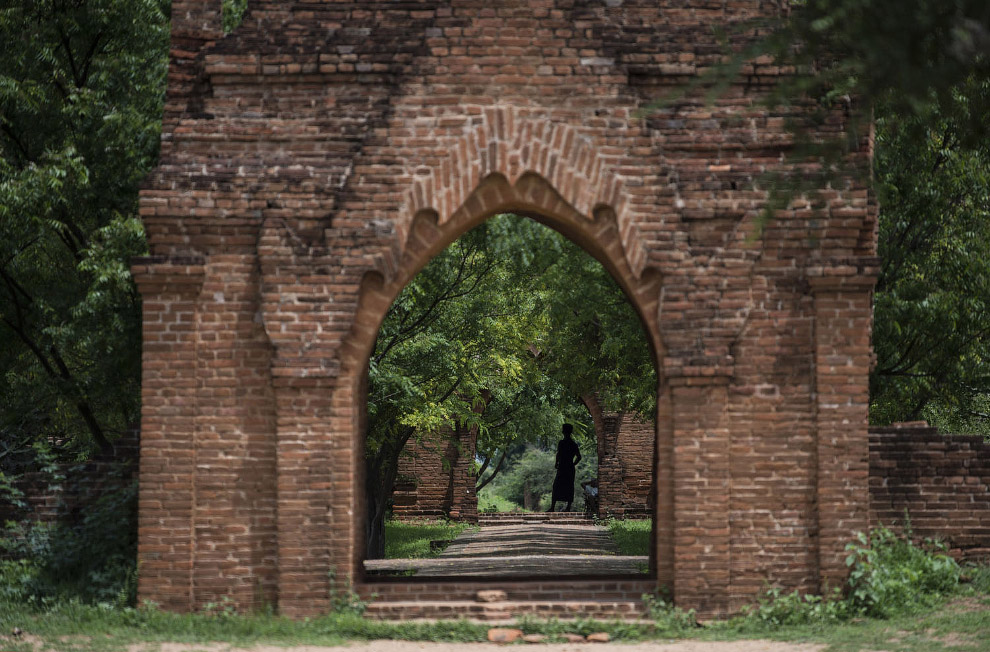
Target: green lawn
(411, 539)
(961, 625)
(632, 536)
(491, 502)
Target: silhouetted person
(563, 484)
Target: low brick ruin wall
(46, 500)
(940, 482)
(625, 458)
(437, 479)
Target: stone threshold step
(535, 518)
(506, 610)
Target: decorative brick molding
(940, 482)
(317, 158)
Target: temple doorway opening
(505, 339)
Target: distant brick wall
(625, 466)
(83, 483)
(436, 478)
(941, 482)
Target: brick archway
(315, 158)
(530, 196)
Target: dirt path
(411, 646)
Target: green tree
(906, 55)
(81, 94)
(920, 69)
(932, 320)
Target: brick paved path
(533, 546)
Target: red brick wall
(79, 485)
(941, 482)
(436, 478)
(315, 159)
(625, 466)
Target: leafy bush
(776, 608)
(17, 577)
(889, 574)
(534, 472)
(668, 618)
(93, 560)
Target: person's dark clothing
(563, 484)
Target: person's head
(568, 429)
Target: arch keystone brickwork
(317, 157)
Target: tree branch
(498, 467)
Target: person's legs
(553, 503)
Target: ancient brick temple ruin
(317, 157)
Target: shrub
(889, 574)
(668, 618)
(93, 560)
(534, 472)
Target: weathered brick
(326, 142)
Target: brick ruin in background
(438, 479)
(316, 158)
(941, 483)
(64, 494)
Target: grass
(631, 536)
(492, 502)
(952, 618)
(411, 539)
(961, 625)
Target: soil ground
(412, 646)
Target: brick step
(544, 590)
(556, 518)
(507, 610)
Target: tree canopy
(920, 71)
(81, 93)
(932, 303)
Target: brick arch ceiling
(505, 140)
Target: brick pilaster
(167, 498)
(701, 444)
(843, 317)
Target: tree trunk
(375, 530)
(382, 470)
